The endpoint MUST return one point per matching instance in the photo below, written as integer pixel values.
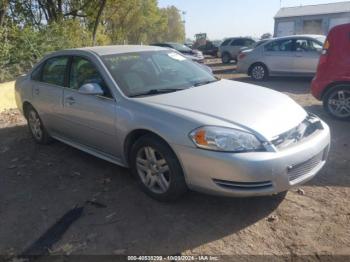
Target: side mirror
(91, 89)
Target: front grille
(299, 170)
(306, 128)
(243, 185)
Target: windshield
(180, 48)
(321, 39)
(140, 73)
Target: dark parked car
(194, 55)
(210, 48)
(332, 81)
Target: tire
(258, 72)
(226, 58)
(148, 157)
(36, 126)
(336, 102)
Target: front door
(89, 119)
(279, 56)
(307, 55)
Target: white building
(311, 19)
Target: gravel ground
(40, 184)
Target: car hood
(254, 108)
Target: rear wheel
(157, 169)
(337, 102)
(36, 126)
(258, 72)
(226, 58)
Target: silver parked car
(172, 122)
(231, 47)
(285, 56)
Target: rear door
(235, 47)
(48, 81)
(89, 119)
(279, 56)
(307, 52)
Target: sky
(226, 18)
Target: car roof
(299, 36)
(239, 37)
(115, 49)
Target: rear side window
(238, 42)
(226, 42)
(54, 70)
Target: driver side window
(83, 72)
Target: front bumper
(256, 173)
(318, 87)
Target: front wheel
(337, 102)
(258, 72)
(157, 169)
(36, 126)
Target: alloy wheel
(258, 72)
(35, 125)
(339, 103)
(153, 170)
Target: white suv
(231, 47)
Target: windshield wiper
(205, 82)
(157, 91)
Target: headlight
(225, 139)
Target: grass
(7, 96)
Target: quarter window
(54, 71)
(84, 72)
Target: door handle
(70, 100)
(36, 91)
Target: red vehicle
(332, 81)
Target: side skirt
(91, 151)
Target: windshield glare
(181, 48)
(322, 39)
(138, 73)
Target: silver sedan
(174, 124)
(285, 56)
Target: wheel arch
(25, 106)
(333, 85)
(136, 134)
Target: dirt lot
(39, 184)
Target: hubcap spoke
(163, 169)
(162, 182)
(341, 95)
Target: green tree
(175, 27)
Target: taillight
(326, 47)
(241, 56)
